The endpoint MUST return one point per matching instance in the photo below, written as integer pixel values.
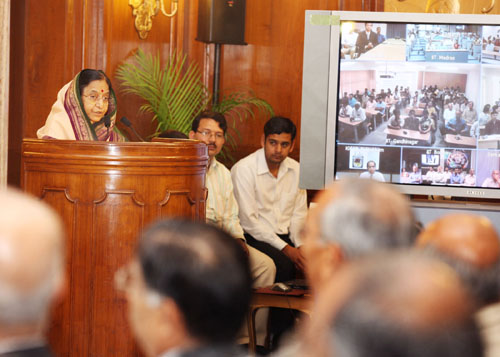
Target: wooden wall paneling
(46, 38)
(62, 202)
(271, 63)
(95, 34)
(361, 5)
(49, 56)
(16, 95)
(111, 214)
(121, 40)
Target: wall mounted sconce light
(144, 10)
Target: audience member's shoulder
(246, 161)
(222, 168)
(294, 164)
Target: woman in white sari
(85, 110)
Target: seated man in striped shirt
(222, 208)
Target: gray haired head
(365, 216)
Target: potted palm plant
(174, 94)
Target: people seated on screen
(85, 109)
(456, 126)
(416, 174)
(470, 114)
(372, 173)
(429, 175)
(456, 177)
(447, 173)
(370, 104)
(367, 39)
(470, 178)
(439, 176)
(395, 120)
(412, 122)
(380, 108)
(344, 99)
(493, 181)
(358, 113)
(348, 50)
(345, 110)
(31, 272)
(188, 290)
(404, 177)
(352, 100)
(380, 36)
(428, 125)
(492, 127)
(448, 115)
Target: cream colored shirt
(221, 208)
(269, 205)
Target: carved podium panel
(106, 194)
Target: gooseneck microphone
(107, 123)
(128, 124)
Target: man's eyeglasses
(94, 98)
(208, 134)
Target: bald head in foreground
(404, 304)
(353, 218)
(31, 272)
(471, 245)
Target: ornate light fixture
(144, 10)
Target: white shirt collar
(262, 167)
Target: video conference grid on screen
(419, 103)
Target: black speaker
(221, 21)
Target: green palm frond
(174, 94)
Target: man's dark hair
(172, 134)
(204, 271)
(278, 125)
(218, 117)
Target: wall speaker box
(221, 21)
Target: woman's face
(95, 98)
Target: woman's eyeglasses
(94, 98)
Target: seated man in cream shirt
(272, 207)
(222, 209)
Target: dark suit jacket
(492, 127)
(30, 352)
(216, 351)
(363, 40)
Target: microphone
(128, 124)
(107, 123)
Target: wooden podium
(106, 193)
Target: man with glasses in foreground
(188, 290)
(222, 208)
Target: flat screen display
(414, 101)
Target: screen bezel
(333, 82)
